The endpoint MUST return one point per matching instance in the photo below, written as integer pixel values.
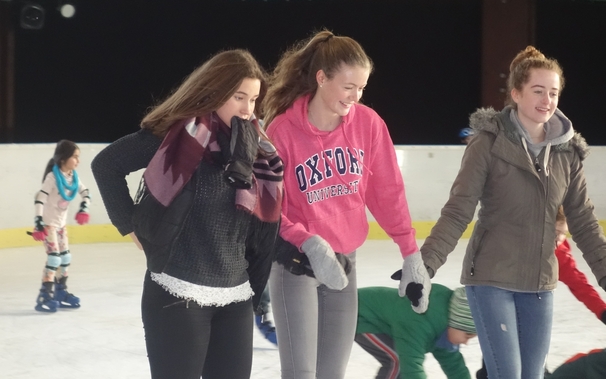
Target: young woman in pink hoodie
(339, 160)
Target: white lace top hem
(203, 295)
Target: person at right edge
(521, 165)
(338, 160)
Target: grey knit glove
(415, 282)
(324, 263)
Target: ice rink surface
(104, 338)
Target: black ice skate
(64, 298)
(45, 301)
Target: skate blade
(45, 309)
(68, 305)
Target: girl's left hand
(82, 218)
(135, 240)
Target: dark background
(91, 78)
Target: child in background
(399, 338)
(59, 187)
(570, 274)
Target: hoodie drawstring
(546, 158)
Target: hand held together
(415, 283)
(324, 263)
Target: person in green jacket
(582, 366)
(399, 338)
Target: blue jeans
(314, 324)
(514, 329)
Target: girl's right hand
(135, 240)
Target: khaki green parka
(513, 241)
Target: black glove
(38, 224)
(243, 149)
(40, 232)
(603, 318)
(481, 373)
(414, 291)
(83, 207)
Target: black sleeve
(260, 253)
(110, 168)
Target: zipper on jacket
(542, 240)
(473, 267)
(544, 209)
(537, 166)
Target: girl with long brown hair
(338, 159)
(206, 220)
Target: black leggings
(186, 341)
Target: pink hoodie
(326, 194)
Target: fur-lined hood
(492, 121)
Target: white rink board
(428, 173)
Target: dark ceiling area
(91, 77)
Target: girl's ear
(320, 77)
(515, 95)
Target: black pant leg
(176, 333)
(230, 348)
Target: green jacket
(382, 310)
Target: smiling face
(343, 90)
(242, 102)
(538, 98)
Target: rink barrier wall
(428, 173)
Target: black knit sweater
(210, 249)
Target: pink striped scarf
(184, 147)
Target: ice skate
(64, 298)
(45, 301)
(267, 328)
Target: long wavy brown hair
(206, 89)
